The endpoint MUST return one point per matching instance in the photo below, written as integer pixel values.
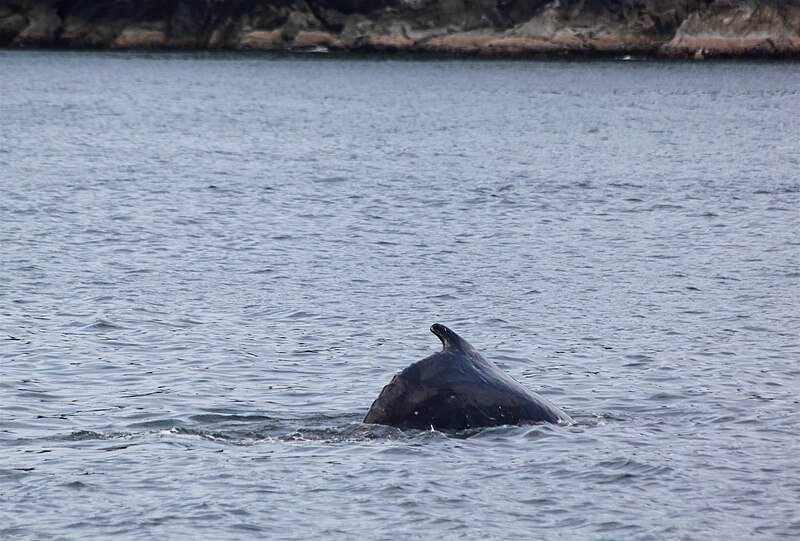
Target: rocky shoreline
(501, 28)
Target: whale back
(457, 388)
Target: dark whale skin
(458, 389)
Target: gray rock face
(671, 28)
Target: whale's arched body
(457, 389)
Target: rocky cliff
(672, 28)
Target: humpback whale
(457, 389)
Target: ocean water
(212, 263)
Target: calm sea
(212, 263)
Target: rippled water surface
(211, 265)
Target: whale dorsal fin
(450, 340)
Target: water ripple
(212, 263)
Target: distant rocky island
(496, 28)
